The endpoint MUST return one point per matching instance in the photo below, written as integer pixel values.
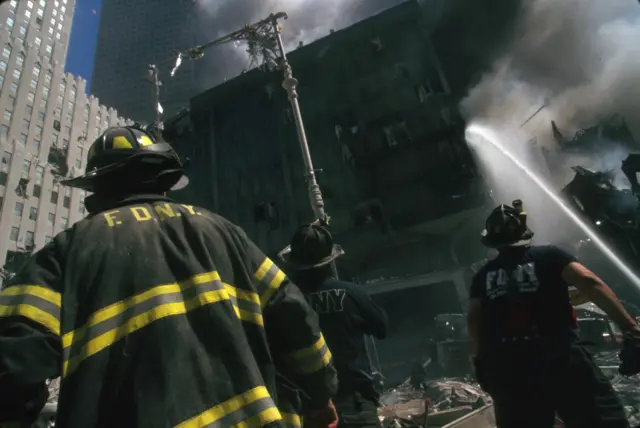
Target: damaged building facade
(397, 177)
(47, 126)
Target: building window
(51, 218)
(10, 22)
(28, 111)
(33, 84)
(20, 62)
(38, 41)
(38, 131)
(4, 132)
(65, 143)
(48, 77)
(17, 74)
(17, 209)
(45, 92)
(63, 223)
(26, 168)
(49, 49)
(39, 174)
(23, 30)
(31, 97)
(3, 178)
(28, 239)
(6, 51)
(54, 140)
(13, 235)
(7, 115)
(26, 124)
(78, 163)
(33, 213)
(22, 140)
(54, 197)
(41, 116)
(47, 239)
(37, 190)
(36, 145)
(66, 202)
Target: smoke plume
(308, 21)
(580, 59)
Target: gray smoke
(581, 57)
(308, 21)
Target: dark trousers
(528, 393)
(356, 410)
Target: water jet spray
(481, 136)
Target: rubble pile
(627, 387)
(439, 402)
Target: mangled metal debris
(434, 403)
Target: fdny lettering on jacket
(523, 276)
(327, 301)
(159, 212)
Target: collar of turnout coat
(95, 206)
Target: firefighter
(525, 332)
(155, 313)
(347, 313)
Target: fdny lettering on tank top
(327, 301)
(523, 276)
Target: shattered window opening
(21, 188)
(13, 235)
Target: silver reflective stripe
(249, 411)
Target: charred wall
(382, 126)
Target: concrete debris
(436, 402)
(628, 388)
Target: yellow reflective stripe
(254, 408)
(291, 419)
(120, 307)
(311, 359)
(121, 142)
(271, 278)
(34, 302)
(109, 325)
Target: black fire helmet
(128, 150)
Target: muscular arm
(595, 290)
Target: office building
(131, 38)
(46, 126)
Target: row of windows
(54, 24)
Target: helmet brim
(88, 181)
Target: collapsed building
(606, 195)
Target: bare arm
(473, 324)
(595, 290)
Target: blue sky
(84, 32)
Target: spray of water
(480, 136)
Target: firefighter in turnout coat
(156, 313)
